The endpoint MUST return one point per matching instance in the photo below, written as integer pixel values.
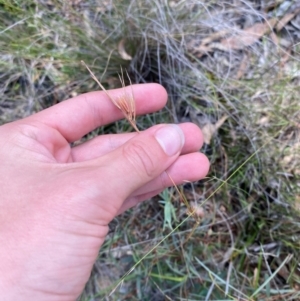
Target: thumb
(143, 158)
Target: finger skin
(76, 117)
(102, 145)
(187, 168)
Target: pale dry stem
(190, 210)
(125, 103)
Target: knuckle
(140, 159)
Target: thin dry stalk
(190, 210)
(125, 103)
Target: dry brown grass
(125, 103)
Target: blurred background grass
(232, 67)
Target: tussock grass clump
(230, 67)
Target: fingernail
(171, 139)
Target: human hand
(56, 201)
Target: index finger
(77, 116)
